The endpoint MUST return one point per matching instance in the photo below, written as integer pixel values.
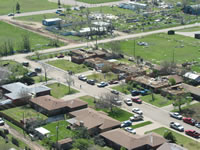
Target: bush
(169, 136)
(15, 142)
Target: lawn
(18, 112)
(40, 78)
(192, 29)
(16, 68)
(15, 36)
(192, 111)
(7, 6)
(68, 66)
(97, 1)
(158, 101)
(157, 51)
(196, 68)
(141, 124)
(181, 140)
(59, 90)
(63, 132)
(103, 77)
(118, 114)
(122, 88)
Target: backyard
(181, 139)
(18, 113)
(118, 114)
(156, 50)
(26, 6)
(39, 79)
(68, 66)
(59, 90)
(15, 35)
(103, 77)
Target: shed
(42, 131)
(50, 22)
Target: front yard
(103, 76)
(181, 139)
(141, 124)
(59, 90)
(118, 114)
(18, 113)
(68, 66)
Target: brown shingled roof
(131, 141)
(92, 118)
(50, 103)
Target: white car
(82, 77)
(137, 111)
(1, 122)
(130, 130)
(136, 118)
(175, 115)
(176, 126)
(128, 101)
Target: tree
(115, 48)
(10, 47)
(26, 45)
(17, 7)
(26, 79)
(169, 136)
(181, 100)
(45, 69)
(107, 101)
(167, 68)
(81, 133)
(25, 95)
(81, 144)
(37, 54)
(59, 4)
(99, 141)
(69, 81)
(172, 81)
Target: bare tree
(69, 81)
(25, 95)
(107, 101)
(45, 69)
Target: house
(118, 138)
(94, 121)
(174, 90)
(52, 21)
(195, 78)
(51, 106)
(171, 146)
(194, 91)
(64, 144)
(192, 9)
(19, 92)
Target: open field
(15, 36)
(158, 101)
(156, 51)
(103, 77)
(97, 1)
(193, 29)
(59, 90)
(181, 140)
(18, 112)
(7, 6)
(118, 114)
(68, 66)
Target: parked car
(38, 70)
(137, 100)
(189, 121)
(144, 92)
(197, 125)
(126, 124)
(128, 101)
(102, 84)
(135, 93)
(26, 64)
(1, 122)
(113, 82)
(32, 74)
(115, 92)
(82, 77)
(175, 115)
(137, 111)
(192, 133)
(130, 130)
(58, 11)
(60, 56)
(116, 101)
(11, 14)
(176, 126)
(136, 118)
(91, 82)
(61, 14)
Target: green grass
(97, 1)
(89, 100)
(103, 77)
(16, 68)
(181, 139)
(59, 90)
(118, 114)
(122, 88)
(141, 124)
(39, 79)
(63, 131)
(26, 5)
(68, 65)
(196, 68)
(157, 51)
(18, 129)
(15, 34)
(192, 29)
(17, 113)
(158, 101)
